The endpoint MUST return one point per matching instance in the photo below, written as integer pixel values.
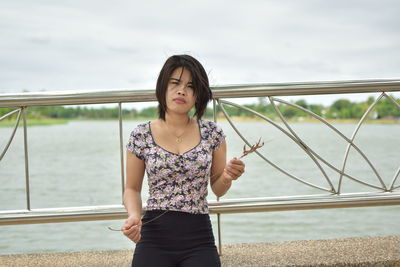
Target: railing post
(121, 151)
(219, 234)
(218, 214)
(28, 197)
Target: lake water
(78, 164)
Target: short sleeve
(136, 143)
(217, 136)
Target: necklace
(178, 138)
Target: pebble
(365, 251)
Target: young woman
(181, 155)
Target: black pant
(176, 239)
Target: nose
(182, 90)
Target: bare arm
(223, 174)
(218, 184)
(135, 168)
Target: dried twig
(252, 148)
(155, 218)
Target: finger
(127, 225)
(137, 239)
(126, 228)
(239, 167)
(229, 171)
(237, 171)
(128, 234)
(234, 173)
(236, 162)
(236, 167)
(131, 230)
(136, 236)
(228, 177)
(131, 236)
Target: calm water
(78, 164)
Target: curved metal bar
(394, 180)
(353, 136)
(302, 144)
(341, 135)
(398, 171)
(9, 114)
(391, 99)
(13, 132)
(280, 128)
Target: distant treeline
(340, 109)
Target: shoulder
(137, 140)
(213, 133)
(141, 126)
(140, 129)
(213, 129)
(210, 124)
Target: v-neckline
(199, 124)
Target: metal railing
(387, 194)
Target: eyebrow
(178, 80)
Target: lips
(180, 100)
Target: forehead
(181, 73)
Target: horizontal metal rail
(112, 212)
(77, 97)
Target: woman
(180, 155)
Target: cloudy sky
(86, 44)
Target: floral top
(177, 181)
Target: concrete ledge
(371, 251)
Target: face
(180, 94)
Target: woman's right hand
(132, 228)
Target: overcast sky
(86, 44)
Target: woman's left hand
(233, 170)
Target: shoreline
(47, 122)
(311, 120)
(356, 251)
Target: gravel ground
(371, 251)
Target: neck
(177, 120)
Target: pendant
(178, 140)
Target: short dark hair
(201, 88)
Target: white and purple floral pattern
(177, 181)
